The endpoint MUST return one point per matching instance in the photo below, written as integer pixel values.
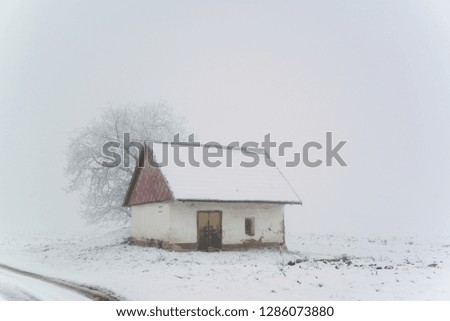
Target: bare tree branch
(103, 188)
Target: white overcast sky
(375, 73)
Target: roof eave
(239, 201)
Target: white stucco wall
(268, 221)
(176, 221)
(183, 222)
(150, 221)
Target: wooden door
(209, 230)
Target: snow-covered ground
(14, 286)
(316, 267)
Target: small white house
(200, 207)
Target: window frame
(249, 226)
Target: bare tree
(103, 188)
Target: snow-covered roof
(181, 172)
(229, 182)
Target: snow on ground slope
(14, 286)
(316, 267)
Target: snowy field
(316, 267)
(18, 287)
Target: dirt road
(17, 284)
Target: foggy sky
(375, 74)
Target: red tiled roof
(147, 185)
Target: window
(250, 226)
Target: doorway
(209, 230)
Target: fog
(375, 74)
